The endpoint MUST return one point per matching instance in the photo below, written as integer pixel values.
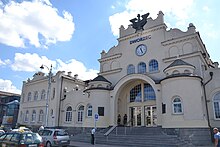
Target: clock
(141, 50)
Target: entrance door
(150, 114)
(135, 115)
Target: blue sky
(70, 34)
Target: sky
(71, 34)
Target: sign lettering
(140, 39)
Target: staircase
(133, 137)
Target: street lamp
(48, 91)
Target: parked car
(21, 129)
(21, 139)
(55, 137)
(2, 132)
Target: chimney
(76, 76)
(69, 73)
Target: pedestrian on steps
(93, 136)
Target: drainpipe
(206, 105)
(61, 91)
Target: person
(125, 119)
(119, 119)
(216, 137)
(93, 136)
(41, 128)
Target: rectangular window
(101, 111)
(163, 108)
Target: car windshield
(60, 133)
(28, 138)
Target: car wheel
(48, 144)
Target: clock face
(141, 50)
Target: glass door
(135, 115)
(150, 113)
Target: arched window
(69, 114)
(33, 116)
(26, 116)
(175, 72)
(135, 94)
(23, 97)
(149, 93)
(187, 71)
(80, 113)
(51, 112)
(41, 116)
(131, 69)
(153, 65)
(54, 91)
(35, 95)
(100, 85)
(216, 105)
(21, 116)
(29, 96)
(43, 95)
(141, 67)
(89, 110)
(177, 105)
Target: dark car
(55, 137)
(21, 139)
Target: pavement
(82, 144)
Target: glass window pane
(135, 94)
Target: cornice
(108, 58)
(110, 71)
(179, 39)
(138, 34)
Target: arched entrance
(137, 100)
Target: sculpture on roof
(138, 23)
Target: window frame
(177, 104)
(89, 110)
(69, 114)
(130, 69)
(29, 97)
(33, 116)
(153, 65)
(142, 68)
(35, 95)
(26, 117)
(43, 94)
(216, 100)
(80, 114)
(41, 116)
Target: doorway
(135, 115)
(150, 115)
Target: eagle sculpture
(138, 24)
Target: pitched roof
(178, 62)
(100, 78)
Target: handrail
(110, 130)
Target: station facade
(154, 76)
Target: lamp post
(48, 91)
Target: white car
(55, 137)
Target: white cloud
(7, 86)
(32, 62)
(76, 67)
(5, 62)
(178, 10)
(29, 62)
(36, 23)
